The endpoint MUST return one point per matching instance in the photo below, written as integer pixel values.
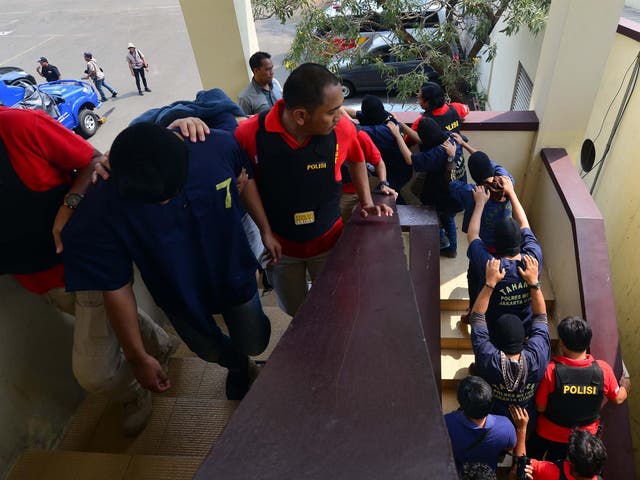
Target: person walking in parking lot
(95, 73)
(48, 71)
(137, 65)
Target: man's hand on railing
(375, 210)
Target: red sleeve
(546, 387)
(611, 387)
(42, 152)
(544, 470)
(414, 126)
(347, 147)
(369, 149)
(58, 145)
(246, 136)
(461, 108)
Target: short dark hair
(255, 61)
(475, 397)
(305, 86)
(433, 93)
(148, 163)
(586, 453)
(575, 333)
(477, 471)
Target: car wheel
(87, 123)
(348, 89)
(21, 82)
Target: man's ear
(300, 116)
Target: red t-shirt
(556, 433)
(371, 155)
(43, 153)
(348, 148)
(550, 471)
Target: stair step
(178, 426)
(455, 366)
(457, 335)
(66, 465)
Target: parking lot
(63, 30)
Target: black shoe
(147, 89)
(104, 99)
(237, 384)
(239, 380)
(140, 93)
(114, 94)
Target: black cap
(372, 111)
(43, 59)
(149, 163)
(430, 133)
(480, 167)
(508, 333)
(507, 237)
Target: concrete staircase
(189, 418)
(455, 337)
(186, 422)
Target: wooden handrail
(596, 294)
(349, 392)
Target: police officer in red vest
(571, 392)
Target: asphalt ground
(63, 30)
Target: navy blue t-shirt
(536, 353)
(192, 252)
(511, 294)
(398, 172)
(436, 186)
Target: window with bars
(521, 90)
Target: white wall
(498, 77)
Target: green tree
(451, 46)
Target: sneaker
(167, 352)
(240, 379)
(444, 240)
(140, 93)
(136, 413)
(114, 94)
(147, 89)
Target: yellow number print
(222, 185)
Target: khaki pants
(98, 362)
(290, 279)
(348, 202)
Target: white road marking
(3, 62)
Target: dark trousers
(538, 447)
(249, 333)
(139, 73)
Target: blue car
(70, 102)
(15, 76)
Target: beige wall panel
(509, 149)
(617, 194)
(555, 233)
(38, 392)
(223, 37)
